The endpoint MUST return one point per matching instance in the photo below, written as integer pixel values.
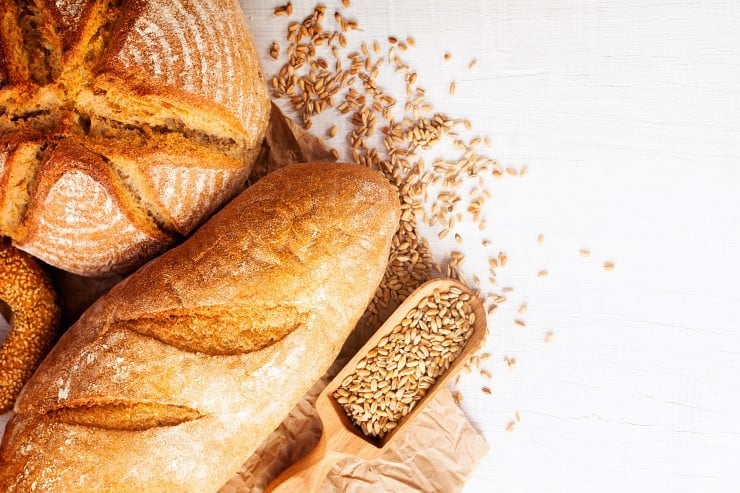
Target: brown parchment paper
(437, 453)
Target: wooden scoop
(340, 437)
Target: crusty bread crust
(171, 380)
(125, 79)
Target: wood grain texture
(627, 115)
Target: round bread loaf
(123, 124)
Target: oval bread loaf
(171, 380)
(123, 124)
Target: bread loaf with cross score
(123, 124)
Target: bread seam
(100, 19)
(175, 323)
(13, 42)
(41, 46)
(10, 196)
(107, 414)
(145, 206)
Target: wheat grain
(405, 363)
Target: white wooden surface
(628, 116)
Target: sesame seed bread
(171, 380)
(123, 124)
(29, 304)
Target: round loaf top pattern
(123, 124)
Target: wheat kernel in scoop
(397, 373)
(332, 132)
(608, 265)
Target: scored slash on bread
(164, 100)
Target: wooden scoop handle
(306, 475)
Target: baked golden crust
(127, 78)
(217, 338)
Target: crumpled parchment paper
(436, 453)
